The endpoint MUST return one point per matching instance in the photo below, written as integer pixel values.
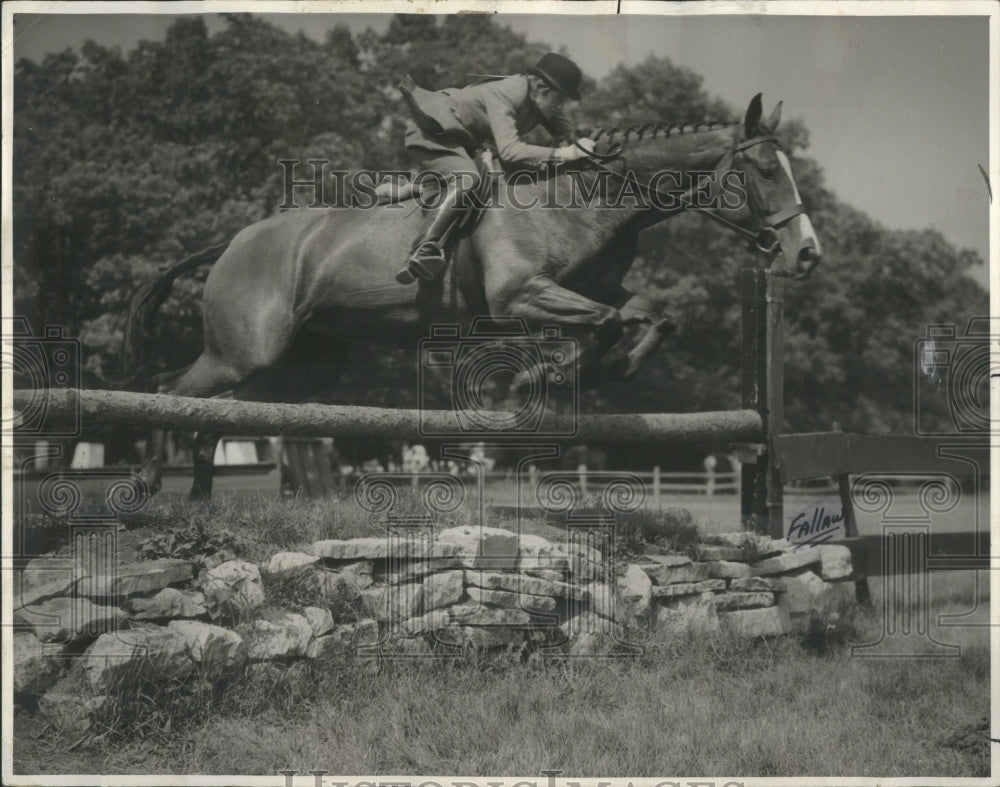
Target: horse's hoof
(665, 327)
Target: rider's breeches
(434, 156)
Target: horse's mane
(611, 134)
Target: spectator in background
(415, 459)
(479, 457)
(421, 461)
(710, 464)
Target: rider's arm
(511, 149)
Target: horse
(289, 290)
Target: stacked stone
(459, 589)
(467, 587)
(748, 584)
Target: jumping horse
(289, 291)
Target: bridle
(765, 238)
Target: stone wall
(451, 591)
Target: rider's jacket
(497, 111)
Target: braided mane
(613, 134)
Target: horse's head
(761, 203)
(773, 209)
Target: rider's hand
(490, 163)
(581, 149)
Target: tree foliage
(126, 161)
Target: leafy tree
(126, 161)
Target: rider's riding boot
(427, 258)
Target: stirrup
(426, 263)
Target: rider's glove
(572, 152)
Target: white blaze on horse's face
(807, 249)
(773, 194)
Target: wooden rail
(120, 408)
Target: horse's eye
(768, 173)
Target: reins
(768, 221)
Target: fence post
(656, 487)
(763, 389)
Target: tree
(125, 161)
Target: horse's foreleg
(647, 345)
(596, 327)
(639, 310)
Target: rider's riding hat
(561, 73)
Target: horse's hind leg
(312, 364)
(203, 458)
(206, 377)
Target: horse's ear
(775, 119)
(752, 121)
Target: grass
(256, 528)
(711, 705)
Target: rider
(448, 124)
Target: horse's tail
(137, 338)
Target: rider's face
(549, 101)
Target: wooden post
(656, 487)
(321, 455)
(293, 459)
(763, 389)
(844, 489)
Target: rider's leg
(427, 259)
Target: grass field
(714, 705)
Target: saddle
(390, 192)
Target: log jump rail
(752, 429)
(117, 408)
(770, 459)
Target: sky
(897, 108)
